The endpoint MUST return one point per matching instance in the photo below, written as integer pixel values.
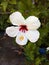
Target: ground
(10, 54)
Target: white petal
(12, 31)
(47, 48)
(16, 18)
(21, 39)
(33, 23)
(33, 36)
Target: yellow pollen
(21, 38)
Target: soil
(10, 54)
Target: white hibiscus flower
(25, 30)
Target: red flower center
(23, 28)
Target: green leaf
(4, 5)
(29, 50)
(37, 61)
(12, 1)
(21, 7)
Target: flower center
(21, 37)
(23, 28)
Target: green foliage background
(39, 8)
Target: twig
(5, 12)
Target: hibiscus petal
(16, 18)
(21, 39)
(33, 36)
(32, 23)
(12, 31)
